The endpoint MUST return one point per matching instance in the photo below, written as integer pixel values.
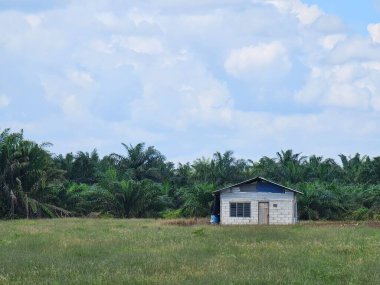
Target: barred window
(240, 210)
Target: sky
(193, 77)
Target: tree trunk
(12, 208)
(27, 206)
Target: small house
(256, 201)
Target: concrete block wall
(282, 214)
(225, 213)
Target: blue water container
(214, 219)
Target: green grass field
(111, 251)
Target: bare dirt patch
(373, 224)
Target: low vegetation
(145, 251)
(142, 183)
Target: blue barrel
(214, 219)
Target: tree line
(141, 182)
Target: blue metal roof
(257, 179)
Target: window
(274, 205)
(240, 210)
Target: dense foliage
(142, 183)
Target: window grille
(240, 210)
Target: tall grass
(115, 251)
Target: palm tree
(84, 167)
(224, 167)
(352, 166)
(285, 157)
(26, 170)
(183, 175)
(141, 163)
(198, 199)
(203, 170)
(320, 169)
(291, 166)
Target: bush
(172, 214)
(360, 214)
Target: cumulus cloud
(145, 45)
(188, 94)
(190, 76)
(330, 41)
(350, 85)
(306, 14)
(344, 76)
(80, 77)
(374, 31)
(256, 60)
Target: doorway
(263, 213)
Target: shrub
(172, 214)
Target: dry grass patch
(187, 222)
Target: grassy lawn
(111, 251)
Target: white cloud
(138, 44)
(144, 45)
(372, 65)
(72, 92)
(376, 103)
(347, 95)
(103, 47)
(182, 93)
(330, 41)
(25, 36)
(351, 85)
(80, 77)
(107, 19)
(139, 17)
(323, 132)
(73, 109)
(192, 76)
(254, 60)
(4, 101)
(33, 20)
(306, 14)
(211, 104)
(374, 31)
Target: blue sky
(355, 14)
(193, 77)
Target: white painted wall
(283, 214)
